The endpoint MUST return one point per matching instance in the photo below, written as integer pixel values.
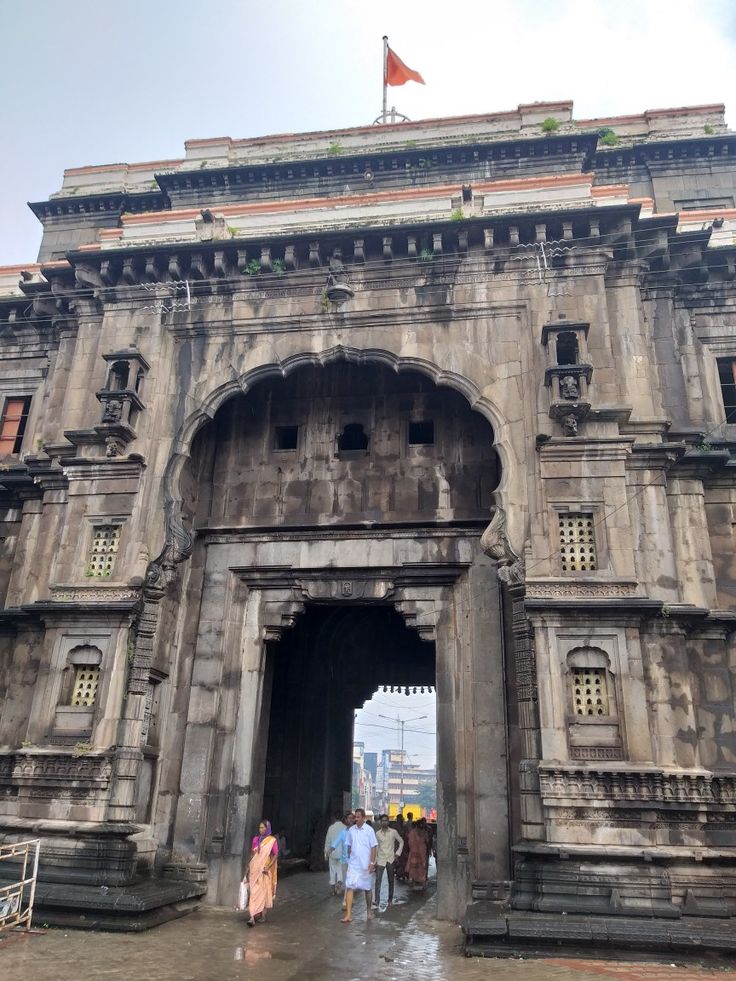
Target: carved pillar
(128, 755)
(511, 572)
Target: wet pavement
(303, 939)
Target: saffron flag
(397, 73)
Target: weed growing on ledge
(607, 137)
(334, 149)
(550, 125)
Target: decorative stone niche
(121, 398)
(568, 373)
(594, 731)
(74, 716)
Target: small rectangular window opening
(286, 437)
(421, 433)
(13, 425)
(727, 375)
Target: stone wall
(228, 436)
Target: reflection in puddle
(250, 956)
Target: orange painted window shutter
(13, 425)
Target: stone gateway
(455, 406)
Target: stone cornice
(96, 205)
(668, 152)
(224, 535)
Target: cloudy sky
(91, 81)
(375, 728)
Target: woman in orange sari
(416, 864)
(262, 872)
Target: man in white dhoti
(362, 845)
(334, 842)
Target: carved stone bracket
(178, 544)
(420, 615)
(494, 542)
(278, 616)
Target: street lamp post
(402, 723)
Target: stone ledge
(491, 931)
(132, 908)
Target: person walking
(334, 840)
(416, 866)
(362, 846)
(262, 873)
(390, 847)
(349, 822)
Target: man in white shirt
(390, 846)
(333, 852)
(362, 845)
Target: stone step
(492, 931)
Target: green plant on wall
(334, 149)
(708, 129)
(253, 267)
(550, 125)
(426, 255)
(278, 267)
(606, 137)
(457, 215)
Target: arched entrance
(321, 671)
(343, 502)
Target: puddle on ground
(250, 957)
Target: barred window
(577, 542)
(589, 691)
(86, 682)
(105, 541)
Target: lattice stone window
(577, 542)
(86, 683)
(105, 541)
(589, 691)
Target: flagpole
(385, 84)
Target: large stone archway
(255, 571)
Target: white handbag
(243, 895)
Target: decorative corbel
(494, 542)
(178, 544)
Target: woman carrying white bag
(243, 896)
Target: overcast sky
(381, 733)
(92, 81)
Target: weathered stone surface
(275, 458)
